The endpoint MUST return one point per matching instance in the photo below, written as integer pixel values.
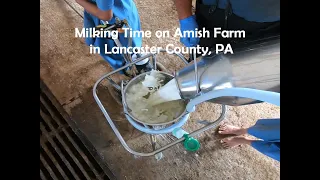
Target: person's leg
(271, 149)
(128, 10)
(88, 22)
(266, 129)
(114, 60)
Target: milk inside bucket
(145, 104)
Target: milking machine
(250, 75)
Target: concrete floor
(70, 72)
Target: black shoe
(144, 67)
(140, 69)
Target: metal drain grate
(64, 151)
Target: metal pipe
(196, 72)
(154, 59)
(213, 124)
(114, 84)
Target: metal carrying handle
(193, 56)
(196, 72)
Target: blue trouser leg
(266, 129)
(88, 22)
(125, 9)
(115, 60)
(267, 148)
(269, 131)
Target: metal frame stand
(156, 151)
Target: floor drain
(65, 153)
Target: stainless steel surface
(153, 139)
(255, 65)
(185, 79)
(154, 58)
(136, 80)
(204, 122)
(196, 73)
